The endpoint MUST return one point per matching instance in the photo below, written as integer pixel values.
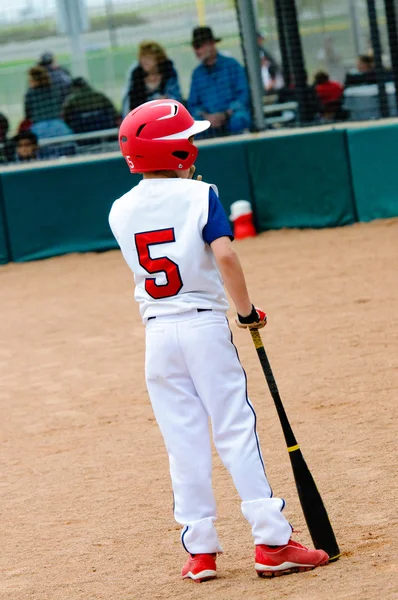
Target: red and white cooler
(242, 219)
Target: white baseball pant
(193, 373)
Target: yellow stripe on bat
(293, 448)
(334, 557)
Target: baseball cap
(46, 59)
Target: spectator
(365, 63)
(270, 70)
(312, 108)
(43, 105)
(330, 94)
(271, 76)
(366, 73)
(264, 53)
(86, 110)
(6, 145)
(4, 127)
(331, 58)
(60, 77)
(219, 90)
(26, 147)
(153, 77)
(42, 100)
(24, 125)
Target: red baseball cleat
(200, 567)
(291, 558)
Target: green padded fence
(4, 253)
(374, 156)
(311, 179)
(61, 209)
(226, 166)
(64, 208)
(301, 180)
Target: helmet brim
(197, 127)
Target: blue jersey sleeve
(217, 223)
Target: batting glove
(256, 320)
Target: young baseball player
(176, 239)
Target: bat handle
(290, 439)
(256, 337)
(262, 355)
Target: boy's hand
(256, 320)
(192, 172)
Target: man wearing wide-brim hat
(219, 89)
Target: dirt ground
(86, 504)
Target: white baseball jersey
(164, 228)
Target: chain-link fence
(71, 69)
(54, 85)
(348, 49)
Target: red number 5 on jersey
(158, 265)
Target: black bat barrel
(311, 502)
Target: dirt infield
(86, 504)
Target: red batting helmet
(154, 137)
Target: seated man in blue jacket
(219, 90)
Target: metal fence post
(355, 26)
(72, 20)
(251, 53)
(376, 45)
(290, 19)
(392, 29)
(283, 43)
(109, 9)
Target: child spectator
(330, 94)
(26, 147)
(152, 78)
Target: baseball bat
(310, 499)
